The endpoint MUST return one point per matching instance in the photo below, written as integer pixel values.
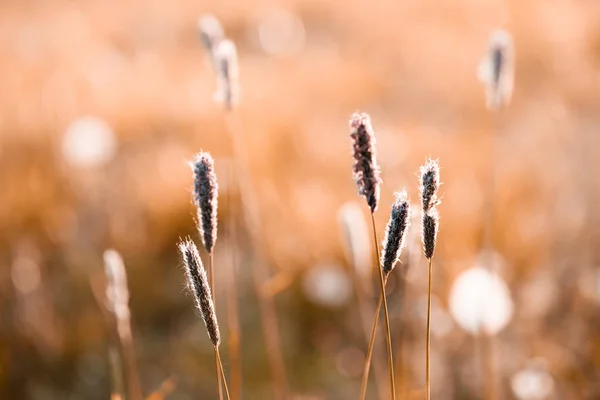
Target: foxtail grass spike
(198, 284)
(395, 232)
(497, 70)
(206, 192)
(366, 169)
(430, 182)
(211, 33)
(226, 62)
(430, 230)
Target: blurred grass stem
(233, 323)
(268, 312)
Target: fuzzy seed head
(226, 62)
(395, 232)
(430, 183)
(431, 221)
(198, 285)
(206, 192)
(366, 170)
(497, 70)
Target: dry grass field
(104, 104)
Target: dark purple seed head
(365, 168)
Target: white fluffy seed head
(480, 301)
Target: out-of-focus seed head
(206, 192)
(198, 285)
(497, 70)
(430, 183)
(431, 221)
(211, 33)
(366, 170)
(226, 62)
(117, 291)
(395, 232)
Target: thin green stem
(428, 345)
(388, 335)
(220, 368)
(211, 273)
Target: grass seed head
(395, 232)
(198, 285)
(366, 170)
(206, 192)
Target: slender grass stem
(260, 273)
(135, 390)
(488, 366)
(385, 312)
(211, 277)
(363, 388)
(428, 344)
(220, 368)
(233, 323)
(365, 307)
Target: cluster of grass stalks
(367, 174)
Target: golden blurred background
(103, 104)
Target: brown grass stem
(233, 323)
(487, 361)
(211, 278)
(364, 307)
(428, 344)
(363, 388)
(222, 373)
(385, 312)
(135, 390)
(268, 313)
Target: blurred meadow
(104, 104)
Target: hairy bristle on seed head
(430, 182)
(395, 232)
(211, 32)
(226, 62)
(498, 70)
(198, 285)
(366, 169)
(430, 229)
(206, 191)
